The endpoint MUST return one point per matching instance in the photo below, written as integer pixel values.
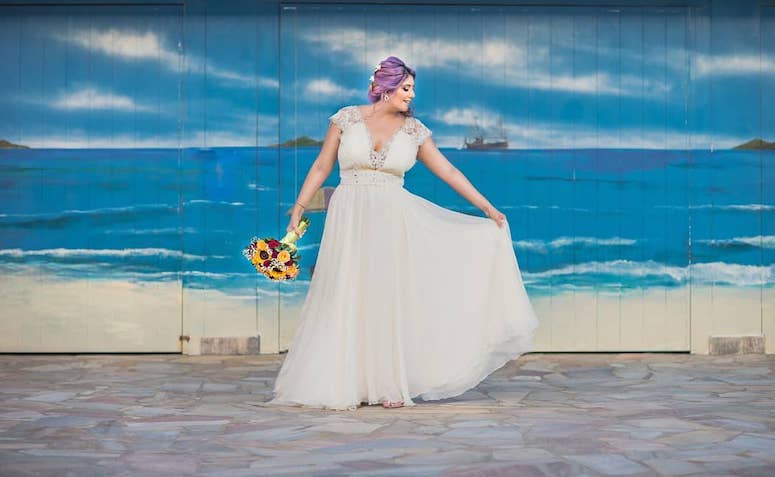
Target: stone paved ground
(541, 415)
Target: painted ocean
(580, 219)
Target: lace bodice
(356, 149)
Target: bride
(408, 299)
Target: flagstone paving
(541, 415)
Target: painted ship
(478, 140)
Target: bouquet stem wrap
(291, 237)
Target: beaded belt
(369, 177)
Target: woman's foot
(387, 404)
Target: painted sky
(570, 77)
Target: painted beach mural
(631, 149)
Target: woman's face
(403, 94)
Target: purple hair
(391, 74)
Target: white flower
(376, 68)
(371, 79)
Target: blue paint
(580, 219)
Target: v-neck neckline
(387, 142)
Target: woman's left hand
(496, 215)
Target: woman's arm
(318, 173)
(430, 155)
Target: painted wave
(232, 285)
(504, 207)
(726, 207)
(212, 202)
(545, 246)
(167, 231)
(540, 207)
(628, 273)
(64, 216)
(254, 186)
(90, 253)
(153, 231)
(756, 241)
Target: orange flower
(275, 259)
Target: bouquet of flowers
(276, 259)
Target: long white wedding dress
(407, 298)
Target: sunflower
(261, 245)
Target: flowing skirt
(407, 299)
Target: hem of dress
(462, 384)
(496, 360)
(331, 407)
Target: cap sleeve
(344, 117)
(419, 131)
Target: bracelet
(301, 206)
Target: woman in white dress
(408, 299)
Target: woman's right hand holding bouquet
(293, 224)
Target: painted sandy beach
(146, 316)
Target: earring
(385, 98)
